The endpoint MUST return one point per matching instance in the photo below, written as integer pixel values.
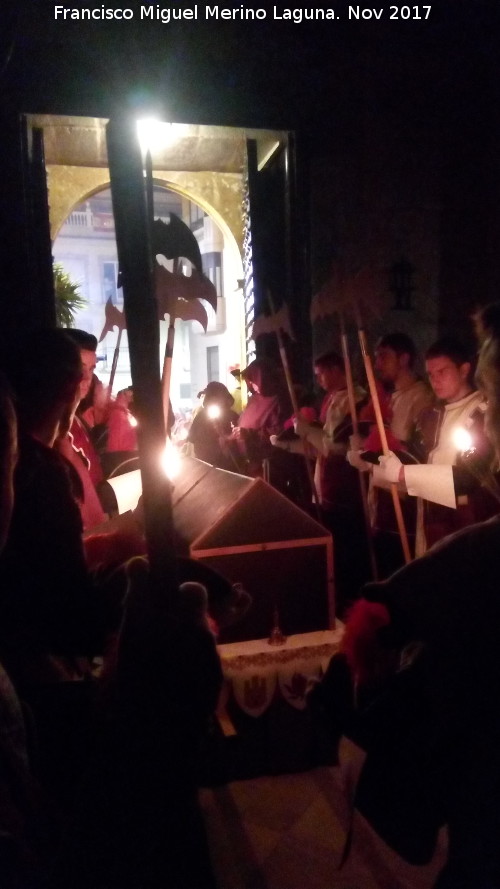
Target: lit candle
(462, 439)
(171, 460)
(213, 411)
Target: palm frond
(68, 297)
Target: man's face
(448, 380)
(387, 364)
(329, 378)
(89, 362)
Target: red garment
(110, 550)
(360, 643)
(373, 442)
(122, 435)
(337, 481)
(263, 377)
(82, 442)
(269, 405)
(307, 413)
(90, 506)
(367, 413)
(264, 414)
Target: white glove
(301, 427)
(276, 443)
(354, 459)
(391, 468)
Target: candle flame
(462, 439)
(213, 411)
(171, 460)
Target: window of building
(212, 363)
(196, 216)
(212, 267)
(109, 282)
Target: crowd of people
(89, 705)
(440, 457)
(417, 681)
(83, 635)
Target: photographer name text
(166, 15)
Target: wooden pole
(169, 346)
(167, 369)
(134, 256)
(295, 408)
(383, 439)
(150, 202)
(355, 429)
(114, 364)
(166, 376)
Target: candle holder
(276, 637)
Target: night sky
(267, 73)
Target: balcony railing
(81, 223)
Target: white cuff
(432, 482)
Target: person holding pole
(442, 612)
(81, 430)
(212, 427)
(452, 448)
(76, 445)
(335, 481)
(279, 323)
(395, 357)
(351, 291)
(265, 414)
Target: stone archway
(206, 164)
(77, 247)
(220, 194)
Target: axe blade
(113, 318)
(175, 239)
